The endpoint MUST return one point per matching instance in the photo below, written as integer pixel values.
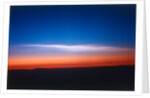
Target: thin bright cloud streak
(79, 47)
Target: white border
(139, 45)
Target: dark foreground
(96, 78)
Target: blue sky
(112, 25)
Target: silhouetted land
(95, 78)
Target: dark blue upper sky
(112, 25)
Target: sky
(66, 36)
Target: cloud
(79, 48)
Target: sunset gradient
(63, 56)
(71, 36)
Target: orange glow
(69, 61)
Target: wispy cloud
(79, 48)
